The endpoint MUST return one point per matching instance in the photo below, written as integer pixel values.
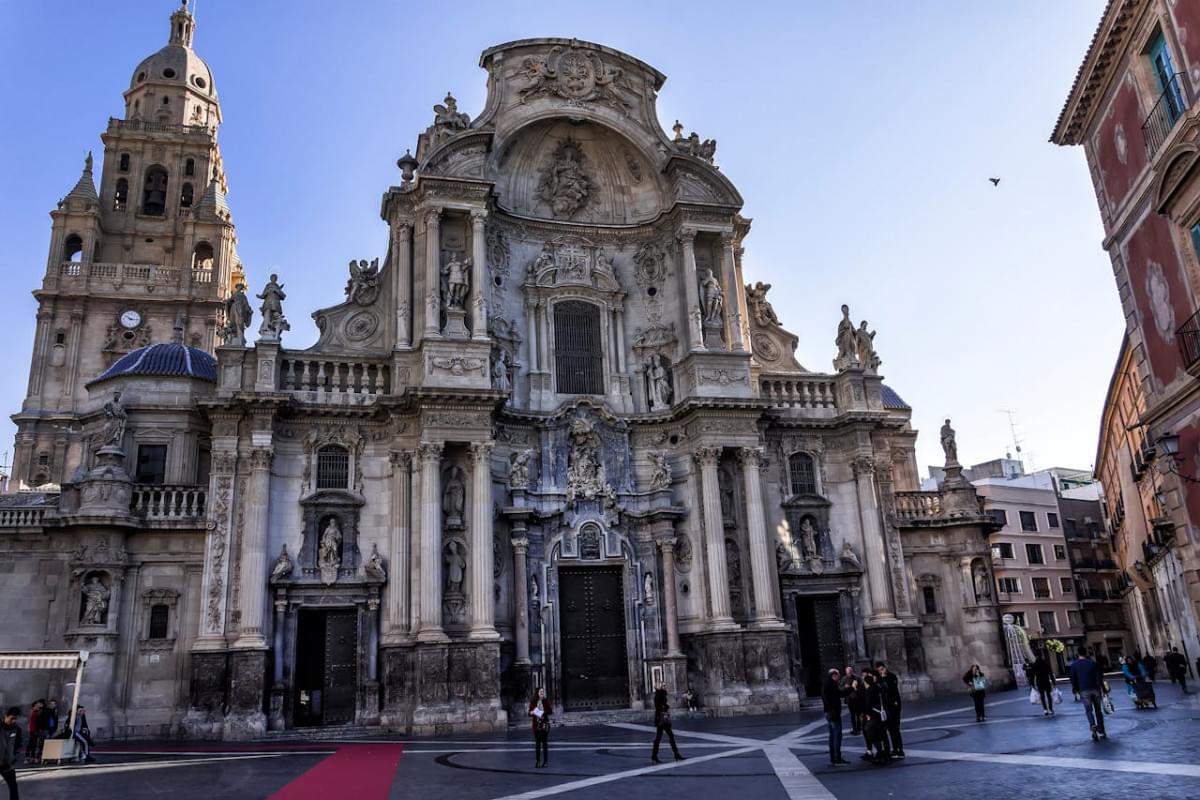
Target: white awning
(42, 659)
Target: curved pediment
(464, 156)
(694, 181)
(1181, 163)
(361, 324)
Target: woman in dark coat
(852, 689)
(539, 715)
(662, 724)
(976, 683)
(875, 721)
(1043, 680)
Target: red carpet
(359, 771)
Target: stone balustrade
(22, 517)
(798, 391)
(336, 381)
(131, 273)
(149, 126)
(167, 502)
(918, 505)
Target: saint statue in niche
(329, 556)
(808, 538)
(658, 382)
(453, 498)
(983, 586)
(713, 297)
(456, 567)
(456, 275)
(95, 602)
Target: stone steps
(328, 732)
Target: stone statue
(565, 185)
(363, 286)
(456, 567)
(949, 445)
(808, 538)
(535, 599)
(660, 477)
(374, 567)
(658, 382)
(273, 322)
(865, 347)
(518, 469)
(329, 556)
(726, 491)
(848, 557)
(447, 118)
(585, 472)
(648, 589)
(237, 317)
(604, 264)
(95, 602)
(283, 566)
(847, 342)
(454, 496)
(114, 422)
(783, 557)
(983, 585)
(544, 261)
(500, 379)
(760, 308)
(456, 279)
(713, 297)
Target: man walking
(662, 724)
(891, 694)
(1176, 668)
(831, 699)
(1086, 673)
(10, 749)
(1151, 665)
(83, 736)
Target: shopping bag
(1057, 696)
(1034, 699)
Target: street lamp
(1168, 445)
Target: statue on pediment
(273, 321)
(760, 308)
(363, 286)
(237, 317)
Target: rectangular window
(1060, 552)
(1028, 521)
(930, 599)
(159, 614)
(151, 463)
(1164, 75)
(1068, 585)
(1010, 585)
(1018, 618)
(1073, 619)
(1048, 622)
(1051, 519)
(1041, 588)
(1196, 239)
(1005, 549)
(999, 515)
(578, 357)
(1033, 552)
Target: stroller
(1142, 694)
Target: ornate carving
(565, 185)
(589, 542)
(329, 557)
(283, 566)
(273, 321)
(651, 266)
(750, 457)
(707, 456)
(692, 145)
(764, 347)
(374, 568)
(361, 326)
(683, 551)
(849, 558)
(585, 464)
(363, 286)
(481, 452)
(447, 120)
(863, 465)
(660, 474)
(722, 377)
(574, 75)
(761, 310)
(518, 469)
(456, 365)
(219, 531)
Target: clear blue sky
(861, 134)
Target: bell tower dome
(174, 85)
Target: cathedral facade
(551, 437)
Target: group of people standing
(42, 724)
(872, 698)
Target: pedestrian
(662, 724)
(1176, 666)
(1074, 685)
(48, 720)
(875, 716)
(1151, 665)
(1043, 681)
(1087, 676)
(33, 744)
(83, 736)
(690, 701)
(10, 749)
(976, 683)
(539, 713)
(1133, 669)
(891, 692)
(853, 692)
(831, 701)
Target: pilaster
(483, 608)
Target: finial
(87, 162)
(678, 128)
(177, 336)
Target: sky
(861, 135)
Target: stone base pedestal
(370, 706)
(462, 364)
(717, 672)
(247, 689)
(205, 718)
(767, 674)
(443, 688)
(456, 324)
(276, 719)
(713, 339)
(714, 374)
(899, 646)
(107, 487)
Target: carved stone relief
(566, 185)
(574, 75)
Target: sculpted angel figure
(713, 296)
(760, 307)
(447, 117)
(283, 565)
(114, 421)
(363, 285)
(660, 477)
(456, 275)
(237, 317)
(273, 322)
(865, 346)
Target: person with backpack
(976, 683)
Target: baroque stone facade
(551, 437)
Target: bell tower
(154, 246)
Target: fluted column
(253, 585)
(531, 337)
(691, 289)
(431, 542)
(876, 553)
(403, 268)
(399, 557)
(479, 321)
(520, 546)
(433, 266)
(714, 535)
(766, 605)
(670, 607)
(733, 313)
(483, 606)
(619, 323)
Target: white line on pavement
(714, 737)
(558, 748)
(136, 766)
(798, 782)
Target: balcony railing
(155, 501)
(918, 505)
(1189, 344)
(1163, 116)
(798, 391)
(147, 126)
(323, 380)
(130, 273)
(21, 517)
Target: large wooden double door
(595, 670)
(326, 667)
(821, 644)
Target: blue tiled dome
(167, 359)
(891, 400)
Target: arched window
(333, 467)
(73, 248)
(185, 197)
(202, 256)
(578, 356)
(121, 196)
(803, 473)
(154, 192)
(189, 167)
(123, 166)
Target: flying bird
(995, 181)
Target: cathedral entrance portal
(821, 647)
(326, 665)
(595, 673)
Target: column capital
(431, 452)
(401, 459)
(520, 545)
(863, 465)
(433, 216)
(750, 457)
(404, 230)
(667, 544)
(686, 235)
(707, 456)
(481, 452)
(261, 457)
(478, 215)
(280, 606)
(727, 239)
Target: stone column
(531, 334)
(875, 560)
(733, 314)
(670, 608)
(433, 275)
(253, 586)
(372, 639)
(403, 269)
(483, 606)
(543, 313)
(478, 299)
(619, 323)
(520, 546)
(431, 543)
(399, 558)
(766, 605)
(691, 290)
(714, 536)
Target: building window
(1048, 622)
(1068, 585)
(121, 196)
(1018, 618)
(1033, 552)
(1164, 76)
(154, 192)
(152, 463)
(930, 598)
(578, 357)
(160, 615)
(1196, 239)
(333, 467)
(1028, 521)
(1060, 552)
(60, 337)
(189, 167)
(1073, 619)
(123, 165)
(73, 248)
(1041, 588)
(1003, 549)
(1051, 519)
(1009, 585)
(999, 515)
(202, 256)
(803, 473)
(185, 197)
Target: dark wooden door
(341, 666)
(595, 672)
(821, 645)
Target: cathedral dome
(167, 359)
(177, 63)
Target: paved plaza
(1016, 753)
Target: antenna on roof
(1016, 440)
